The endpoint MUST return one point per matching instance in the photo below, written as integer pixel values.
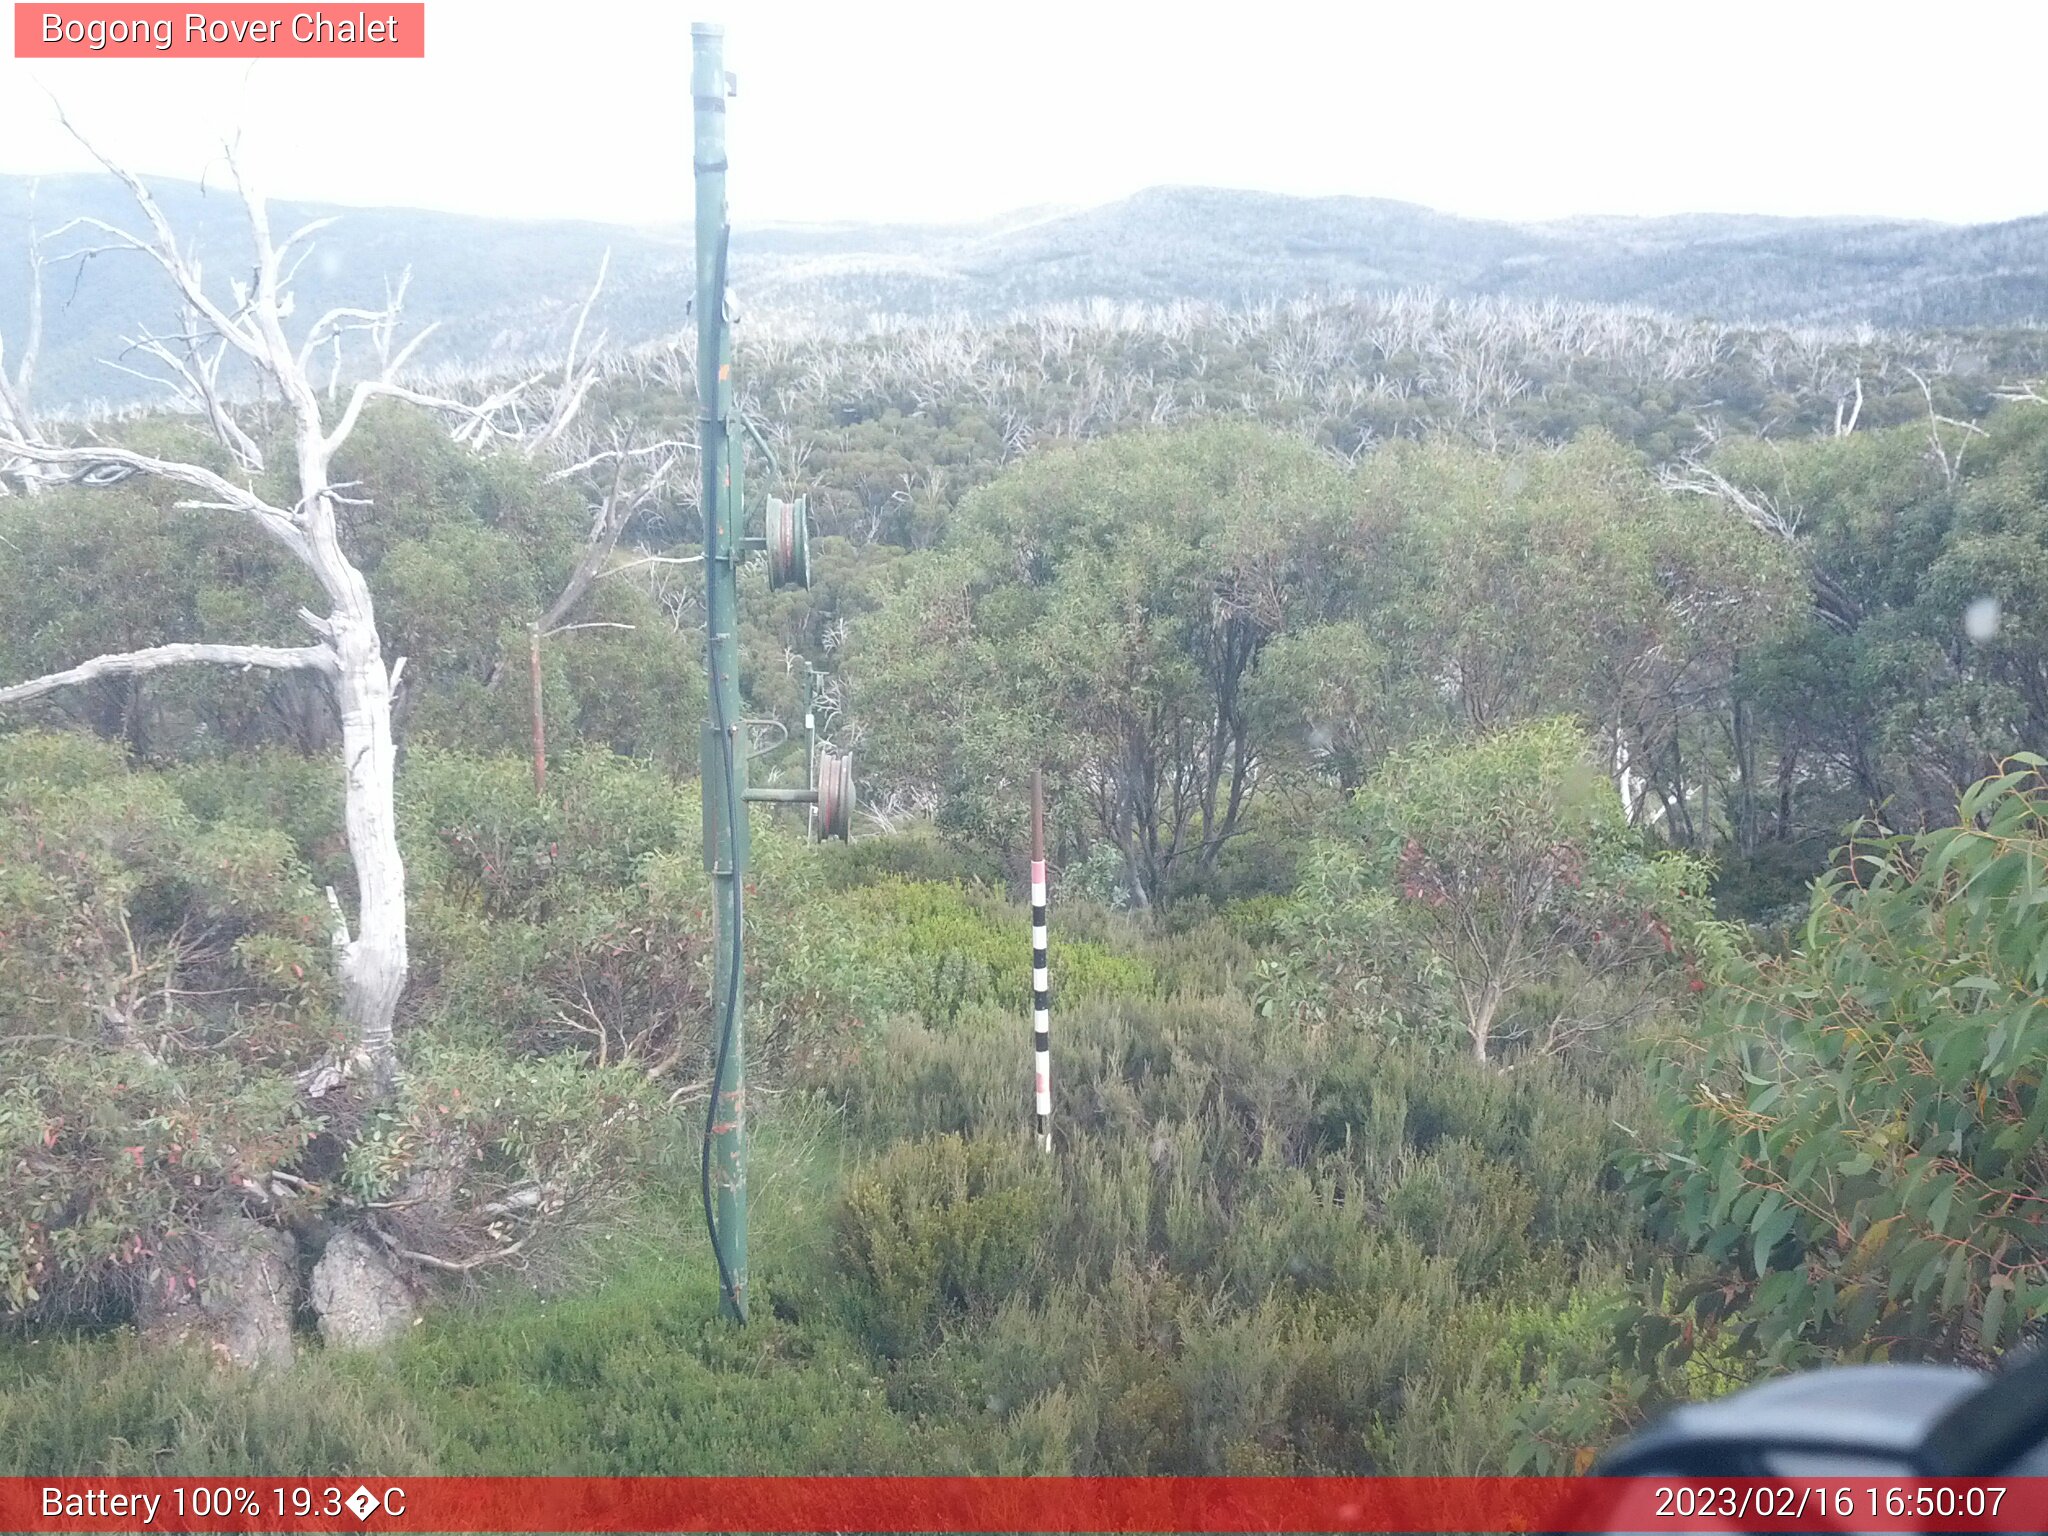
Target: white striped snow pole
(1041, 993)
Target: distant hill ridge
(504, 288)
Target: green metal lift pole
(725, 816)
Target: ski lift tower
(829, 790)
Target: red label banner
(229, 31)
(1022, 1504)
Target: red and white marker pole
(1041, 992)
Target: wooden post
(540, 724)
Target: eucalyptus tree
(1563, 581)
(1512, 870)
(1102, 609)
(1917, 661)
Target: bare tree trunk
(1480, 1021)
(612, 514)
(1707, 801)
(1788, 764)
(15, 420)
(374, 963)
(1684, 825)
(540, 721)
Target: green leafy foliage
(1100, 610)
(463, 551)
(1508, 869)
(161, 978)
(166, 963)
(943, 1228)
(1267, 1251)
(1899, 534)
(1856, 1126)
(1169, 621)
(85, 572)
(471, 1129)
(572, 923)
(120, 1407)
(943, 951)
(1326, 861)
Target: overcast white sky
(916, 111)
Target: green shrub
(942, 1229)
(116, 1407)
(1770, 886)
(476, 832)
(1198, 959)
(1456, 1203)
(1869, 1108)
(300, 796)
(917, 855)
(471, 1129)
(941, 950)
(1476, 877)
(160, 982)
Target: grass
(634, 1377)
(638, 1377)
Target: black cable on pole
(727, 1014)
(734, 809)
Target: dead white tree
(578, 374)
(1692, 475)
(248, 323)
(1846, 415)
(15, 420)
(639, 478)
(1951, 463)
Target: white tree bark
(15, 420)
(314, 658)
(373, 962)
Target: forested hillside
(1547, 848)
(502, 290)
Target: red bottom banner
(1021, 1504)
